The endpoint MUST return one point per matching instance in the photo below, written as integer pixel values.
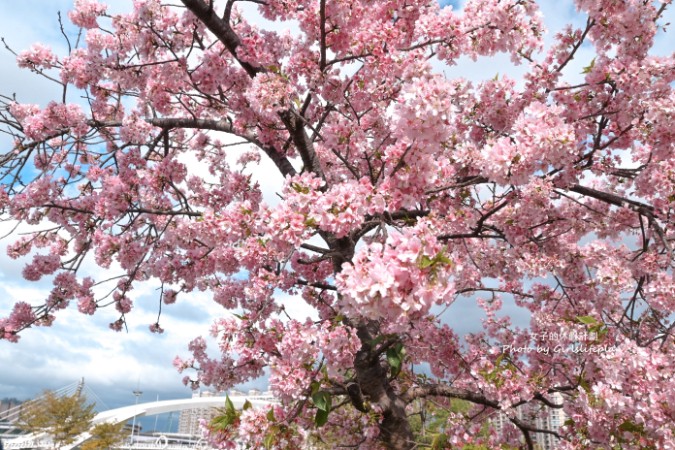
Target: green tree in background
(62, 417)
(105, 436)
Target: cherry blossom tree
(404, 191)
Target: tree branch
(589, 24)
(303, 143)
(614, 199)
(322, 24)
(622, 202)
(447, 391)
(222, 30)
(322, 286)
(525, 430)
(282, 163)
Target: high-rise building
(540, 417)
(188, 423)
(190, 418)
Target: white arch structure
(144, 409)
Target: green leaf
(321, 417)
(587, 320)
(270, 415)
(299, 188)
(440, 442)
(631, 427)
(311, 222)
(226, 416)
(589, 67)
(220, 423)
(269, 440)
(228, 404)
(322, 400)
(395, 359)
(441, 258)
(375, 342)
(425, 262)
(247, 405)
(601, 330)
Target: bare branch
(322, 19)
(222, 30)
(282, 163)
(442, 390)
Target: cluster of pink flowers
(41, 123)
(513, 24)
(400, 279)
(38, 56)
(79, 69)
(338, 345)
(540, 140)
(22, 315)
(269, 94)
(405, 193)
(292, 370)
(86, 13)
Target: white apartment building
(188, 423)
(538, 416)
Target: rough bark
(372, 377)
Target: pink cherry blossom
(407, 204)
(38, 56)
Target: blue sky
(114, 364)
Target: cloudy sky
(76, 346)
(114, 364)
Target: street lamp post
(137, 393)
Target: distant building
(132, 428)
(10, 409)
(6, 406)
(540, 417)
(188, 423)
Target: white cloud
(77, 345)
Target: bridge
(123, 414)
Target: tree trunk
(372, 381)
(372, 378)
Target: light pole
(137, 393)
